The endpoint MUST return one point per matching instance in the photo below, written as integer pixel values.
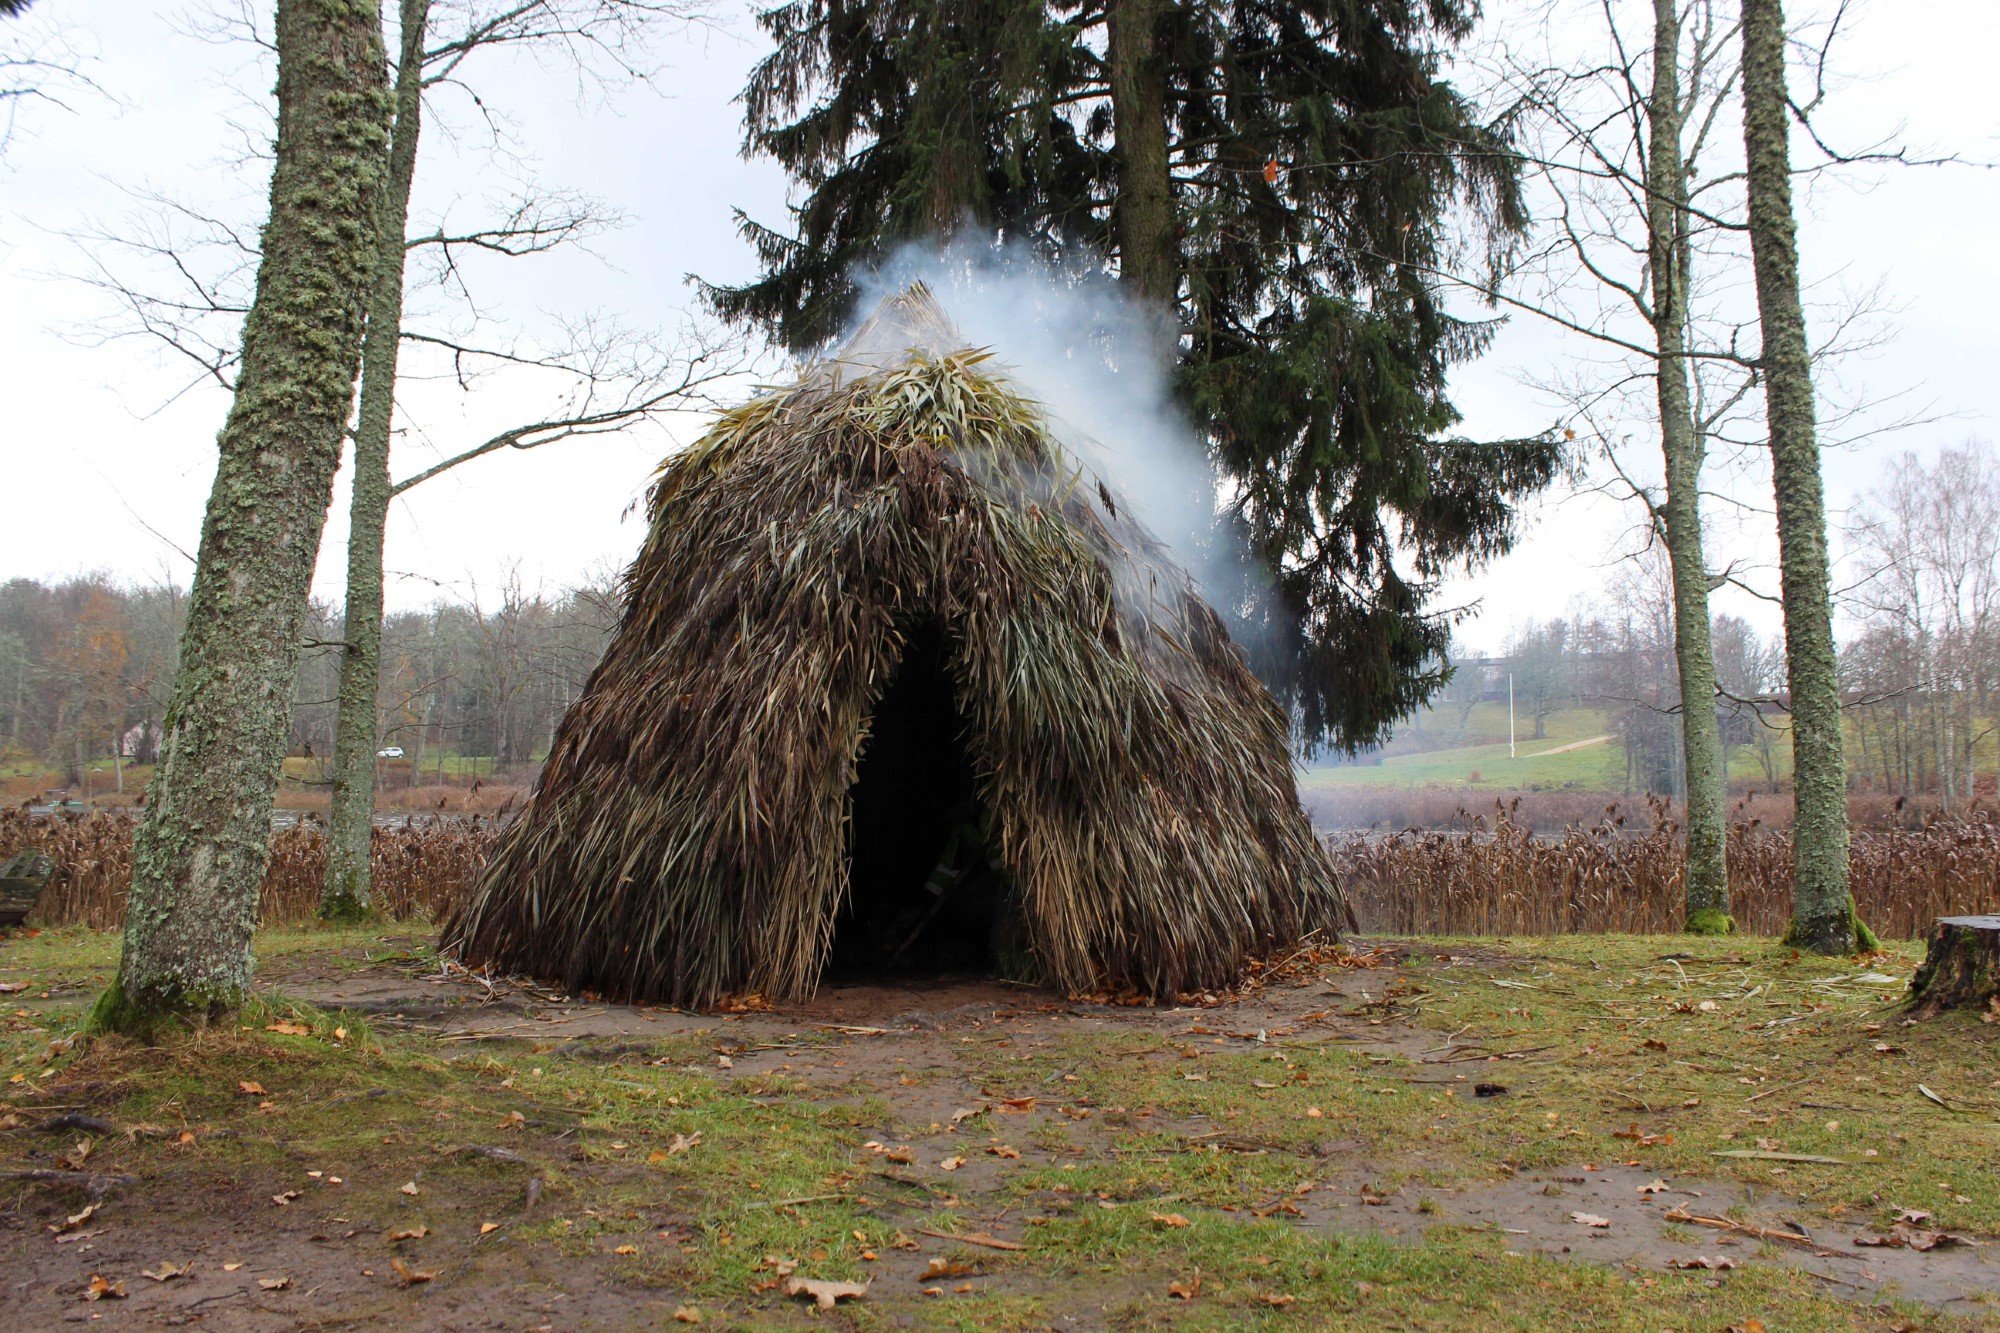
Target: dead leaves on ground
(1904, 1236)
(678, 1145)
(103, 1288)
(412, 1276)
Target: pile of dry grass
(688, 834)
(422, 868)
(1497, 877)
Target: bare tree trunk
(1145, 215)
(1823, 915)
(1670, 258)
(347, 893)
(199, 856)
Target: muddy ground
(952, 1092)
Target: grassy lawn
(1312, 1154)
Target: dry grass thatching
(688, 837)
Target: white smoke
(1100, 367)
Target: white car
(390, 752)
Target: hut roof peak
(905, 322)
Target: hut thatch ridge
(689, 835)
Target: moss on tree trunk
(1961, 969)
(199, 855)
(348, 894)
(1822, 911)
(1670, 258)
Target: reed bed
(1496, 876)
(1490, 876)
(421, 866)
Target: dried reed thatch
(865, 600)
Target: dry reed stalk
(1495, 877)
(421, 866)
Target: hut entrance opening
(924, 894)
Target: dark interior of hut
(924, 897)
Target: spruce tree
(1283, 175)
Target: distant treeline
(86, 666)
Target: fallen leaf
(102, 1288)
(1702, 1261)
(1656, 1187)
(1185, 1291)
(1277, 1299)
(1171, 1220)
(626, 1249)
(951, 1163)
(687, 1314)
(1747, 1326)
(941, 1267)
(488, 1228)
(283, 1199)
(1002, 1150)
(407, 1187)
(824, 1294)
(232, 1266)
(411, 1276)
(166, 1271)
(1015, 1105)
(1590, 1219)
(249, 1089)
(288, 1028)
(277, 1283)
(413, 1233)
(75, 1220)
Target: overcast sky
(108, 462)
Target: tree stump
(1961, 969)
(22, 878)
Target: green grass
(781, 1171)
(1487, 767)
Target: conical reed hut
(898, 683)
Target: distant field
(1570, 757)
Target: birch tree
(199, 855)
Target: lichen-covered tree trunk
(1823, 917)
(199, 857)
(1147, 265)
(1670, 258)
(347, 894)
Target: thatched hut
(896, 682)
